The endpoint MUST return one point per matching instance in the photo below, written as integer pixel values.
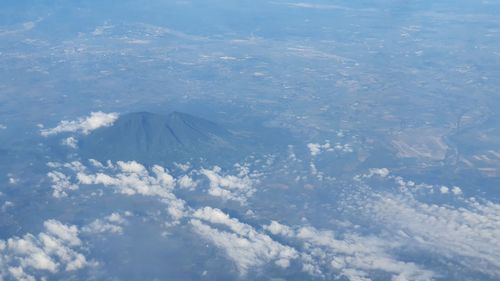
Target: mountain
(154, 138)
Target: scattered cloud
(409, 186)
(468, 232)
(230, 187)
(316, 148)
(61, 183)
(352, 256)
(52, 251)
(84, 124)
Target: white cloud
(84, 124)
(183, 167)
(316, 149)
(230, 187)
(99, 165)
(186, 182)
(61, 184)
(470, 233)
(25, 26)
(456, 190)
(66, 233)
(408, 186)
(247, 247)
(70, 142)
(277, 228)
(128, 178)
(6, 205)
(353, 256)
(131, 167)
(316, 6)
(19, 274)
(109, 224)
(443, 189)
(381, 172)
(53, 250)
(3, 127)
(132, 178)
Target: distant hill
(154, 138)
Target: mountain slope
(154, 138)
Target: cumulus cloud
(61, 184)
(277, 228)
(243, 244)
(128, 178)
(84, 124)
(54, 250)
(187, 182)
(70, 142)
(183, 167)
(456, 190)
(381, 172)
(230, 187)
(444, 189)
(315, 148)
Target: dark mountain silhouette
(154, 138)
